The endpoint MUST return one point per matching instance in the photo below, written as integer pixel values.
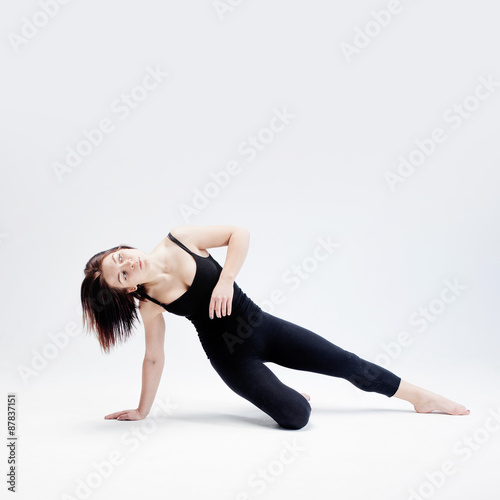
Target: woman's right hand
(126, 415)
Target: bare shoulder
(185, 234)
(205, 237)
(149, 310)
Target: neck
(159, 263)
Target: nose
(131, 263)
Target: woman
(238, 337)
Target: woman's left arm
(237, 239)
(222, 295)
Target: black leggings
(269, 338)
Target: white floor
(203, 441)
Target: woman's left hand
(222, 298)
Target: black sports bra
(195, 301)
(206, 270)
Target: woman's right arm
(152, 366)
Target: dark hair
(111, 312)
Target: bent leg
(251, 379)
(294, 346)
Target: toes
(461, 410)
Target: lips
(140, 263)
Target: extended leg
(293, 346)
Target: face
(124, 268)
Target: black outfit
(238, 345)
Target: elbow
(242, 230)
(154, 360)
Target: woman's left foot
(429, 402)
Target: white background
(322, 176)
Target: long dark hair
(110, 312)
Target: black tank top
(194, 303)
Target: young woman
(180, 276)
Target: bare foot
(306, 396)
(425, 401)
(429, 401)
